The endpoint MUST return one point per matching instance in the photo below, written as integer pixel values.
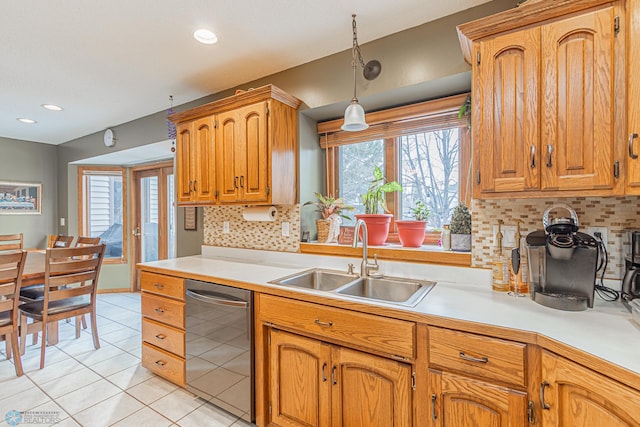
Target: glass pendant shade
(354, 117)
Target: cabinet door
(298, 380)
(577, 110)
(369, 390)
(227, 155)
(633, 95)
(458, 401)
(183, 162)
(507, 154)
(578, 396)
(204, 160)
(253, 162)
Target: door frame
(138, 172)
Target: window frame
(85, 171)
(403, 120)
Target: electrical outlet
(285, 229)
(508, 236)
(603, 232)
(225, 227)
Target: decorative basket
(323, 226)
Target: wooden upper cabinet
(195, 161)
(507, 105)
(578, 98)
(633, 95)
(254, 160)
(548, 99)
(244, 150)
(579, 396)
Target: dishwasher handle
(218, 299)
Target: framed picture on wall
(190, 218)
(19, 198)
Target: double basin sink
(406, 292)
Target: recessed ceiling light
(25, 120)
(205, 36)
(52, 107)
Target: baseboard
(114, 290)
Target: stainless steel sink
(389, 289)
(317, 278)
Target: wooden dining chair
(59, 241)
(71, 281)
(11, 267)
(84, 241)
(11, 242)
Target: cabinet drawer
(164, 364)
(381, 334)
(163, 285)
(163, 336)
(163, 310)
(477, 355)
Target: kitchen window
(102, 209)
(425, 147)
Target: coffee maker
(631, 280)
(562, 263)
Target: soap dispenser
(500, 264)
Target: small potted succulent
(461, 229)
(411, 232)
(375, 207)
(332, 212)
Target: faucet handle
(350, 268)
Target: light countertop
(606, 331)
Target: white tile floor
(83, 386)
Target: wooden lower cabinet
(458, 401)
(313, 383)
(577, 396)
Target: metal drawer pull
(533, 157)
(334, 381)
(483, 359)
(190, 188)
(161, 336)
(542, 402)
(549, 153)
(324, 377)
(235, 182)
(434, 416)
(160, 362)
(320, 323)
(242, 181)
(194, 185)
(632, 136)
(159, 285)
(159, 310)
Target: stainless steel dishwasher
(219, 338)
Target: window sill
(426, 253)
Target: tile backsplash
(264, 235)
(615, 213)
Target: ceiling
(110, 62)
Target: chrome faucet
(365, 267)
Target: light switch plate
(225, 227)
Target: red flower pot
(411, 232)
(377, 227)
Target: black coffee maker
(631, 280)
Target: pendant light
(354, 119)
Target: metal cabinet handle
(632, 136)
(483, 359)
(190, 186)
(533, 157)
(194, 185)
(549, 153)
(161, 362)
(321, 323)
(161, 336)
(324, 377)
(159, 310)
(235, 182)
(242, 181)
(334, 381)
(434, 415)
(542, 402)
(159, 285)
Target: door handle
(324, 377)
(241, 181)
(194, 185)
(549, 153)
(434, 415)
(542, 402)
(235, 182)
(533, 156)
(632, 136)
(136, 232)
(334, 381)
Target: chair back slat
(70, 292)
(60, 241)
(12, 265)
(11, 242)
(71, 278)
(7, 274)
(87, 241)
(71, 265)
(6, 305)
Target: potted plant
(411, 232)
(375, 207)
(332, 212)
(461, 229)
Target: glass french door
(154, 231)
